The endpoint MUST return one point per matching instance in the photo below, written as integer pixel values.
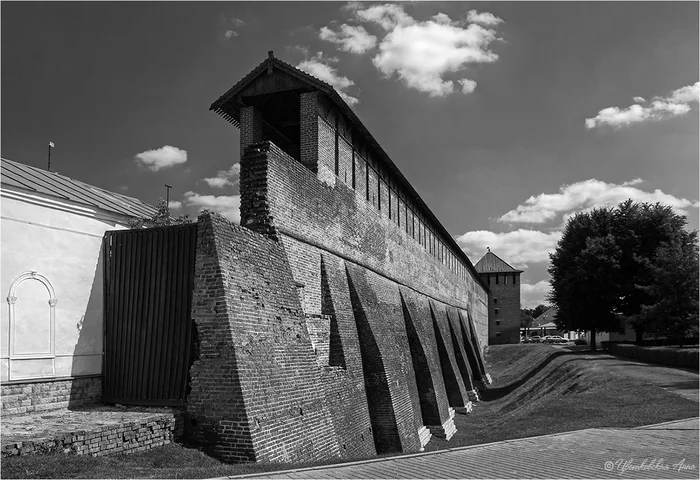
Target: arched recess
(47, 353)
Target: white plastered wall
(51, 249)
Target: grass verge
(537, 390)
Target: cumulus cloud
(160, 158)
(468, 86)
(532, 295)
(484, 18)
(319, 66)
(422, 53)
(520, 247)
(225, 178)
(354, 39)
(228, 206)
(659, 108)
(419, 53)
(389, 15)
(586, 195)
(236, 22)
(174, 205)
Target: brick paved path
(668, 450)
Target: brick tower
(504, 299)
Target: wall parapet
(294, 203)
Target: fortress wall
(343, 378)
(426, 360)
(256, 390)
(282, 198)
(365, 373)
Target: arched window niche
(32, 303)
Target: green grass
(563, 391)
(537, 390)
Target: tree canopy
(161, 218)
(634, 263)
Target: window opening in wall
(497, 311)
(496, 278)
(367, 182)
(353, 168)
(515, 278)
(498, 334)
(337, 149)
(390, 202)
(505, 279)
(495, 300)
(498, 322)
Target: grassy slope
(538, 389)
(562, 391)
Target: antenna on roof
(51, 145)
(167, 198)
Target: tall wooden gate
(148, 280)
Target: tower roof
(492, 263)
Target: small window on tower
(495, 301)
(498, 322)
(497, 311)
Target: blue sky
(506, 117)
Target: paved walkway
(668, 450)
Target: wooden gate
(148, 280)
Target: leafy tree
(634, 262)
(525, 318)
(161, 218)
(674, 290)
(641, 229)
(584, 271)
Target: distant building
(504, 300)
(51, 278)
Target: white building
(52, 325)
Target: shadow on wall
(424, 379)
(454, 397)
(464, 369)
(381, 409)
(88, 351)
(336, 355)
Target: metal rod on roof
(51, 145)
(167, 198)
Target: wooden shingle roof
(36, 180)
(492, 263)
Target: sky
(506, 117)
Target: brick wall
(339, 219)
(504, 326)
(37, 396)
(122, 435)
(256, 389)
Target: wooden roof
(492, 263)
